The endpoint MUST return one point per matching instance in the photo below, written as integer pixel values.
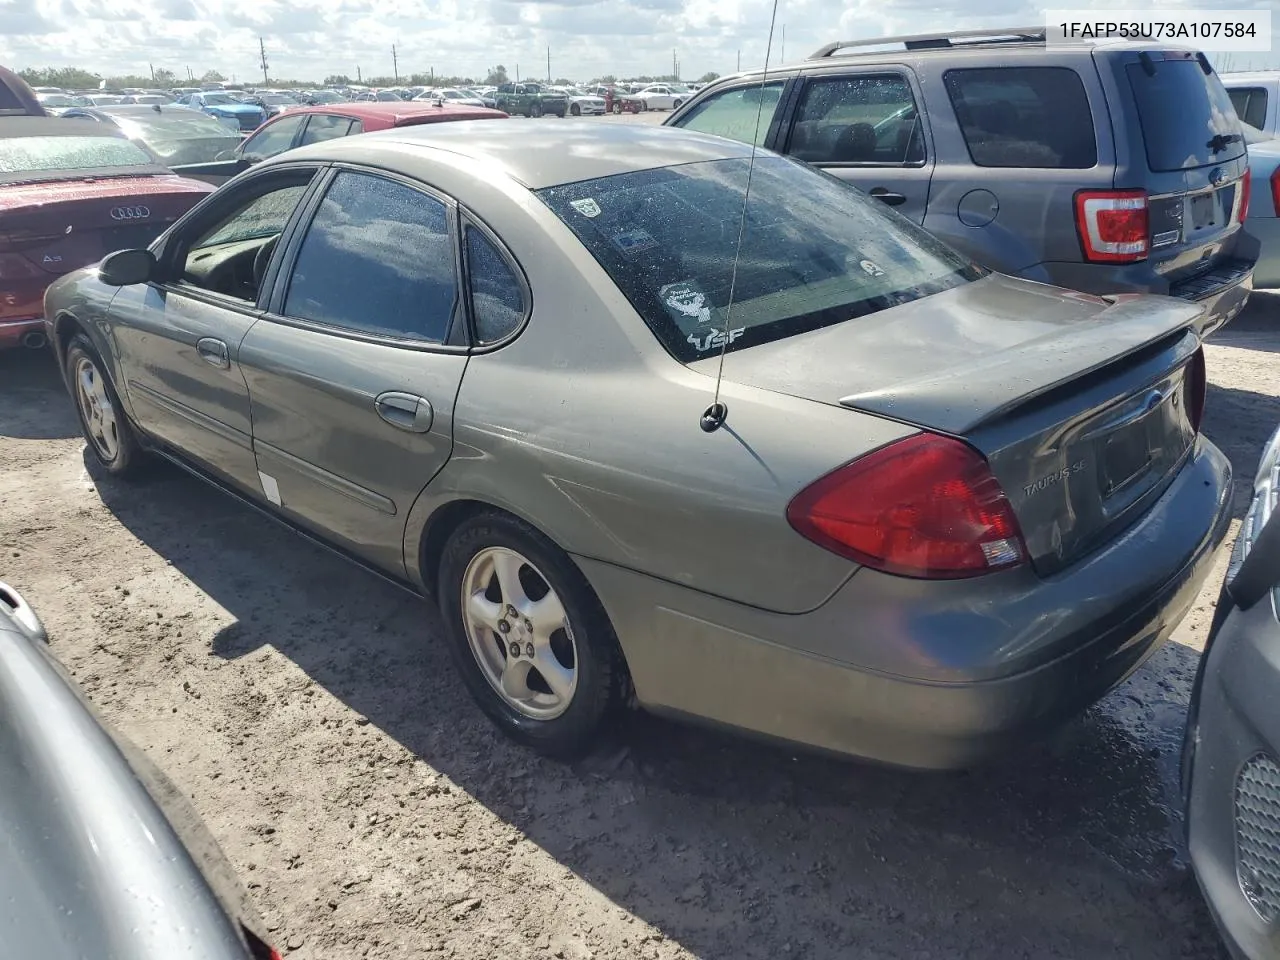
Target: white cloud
(587, 38)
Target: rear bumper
(927, 675)
(17, 333)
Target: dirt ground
(309, 711)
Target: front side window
(814, 251)
(1250, 104)
(742, 114)
(866, 119)
(272, 139)
(1024, 117)
(497, 297)
(378, 258)
(230, 255)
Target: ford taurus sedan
(925, 511)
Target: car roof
(539, 154)
(1253, 76)
(390, 114)
(13, 127)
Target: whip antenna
(714, 416)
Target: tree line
(74, 78)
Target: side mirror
(124, 268)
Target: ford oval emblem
(136, 212)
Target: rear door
(354, 371)
(1178, 138)
(865, 127)
(179, 340)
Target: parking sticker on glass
(633, 241)
(587, 207)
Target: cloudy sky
(309, 39)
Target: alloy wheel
(519, 633)
(96, 410)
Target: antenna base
(713, 417)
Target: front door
(864, 127)
(352, 375)
(179, 340)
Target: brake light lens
(1194, 385)
(1113, 225)
(1246, 189)
(1275, 190)
(927, 506)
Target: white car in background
(582, 103)
(463, 98)
(662, 96)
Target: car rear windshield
(1187, 118)
(41, 155)
(814, 250)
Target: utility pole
(675, 71)
(262, 51)
(548, 64)
(782, 57)
(395, 64)
(739, 61)
(359, 79)
(517, 73)
(153, 72)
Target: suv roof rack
(934, 41)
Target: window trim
(878, 70)
(469, 221)
(1084, 91)
(167, 246)
(281, 271)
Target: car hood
(956, 359)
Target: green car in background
(531, 100)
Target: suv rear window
(1024, 117)
(814, 251)
(1187, 118)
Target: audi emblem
(138, 212)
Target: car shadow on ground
(37, 406)
(1255, 328)
(721, 843)
(1240, 422)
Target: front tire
(576, 110)
(531, 640)
(617, 109)
(103, 422)
(676, 106)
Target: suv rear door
(1178, 138)
(863, 125)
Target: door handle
(405, 411)
(888, 197)
(213, 352)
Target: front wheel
(531, 640)
(102, 418)
(617, 108)
(576, 110)
(676, 105)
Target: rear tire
(103, 421)
(497, 562)
(535, 110)
(576, 110)
(677, 105)
(617, 109)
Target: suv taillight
(927, 506)
(1275, 190)
(1246, 189)
(1113, 225)
(1193, 388)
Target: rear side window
(741, 114)
(377, 258)
(870, 119)
(1187, 118)
(814, 252)
(497, 297)
(1250, 104)
(1024, 117)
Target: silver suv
(1106, 168)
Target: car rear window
(1024, 117)
(814, 251)
(1187, 118)
(45, 154)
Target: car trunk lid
(60, 226)
(1078, 402)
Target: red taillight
(1113, 225)
(1275, 190)
(1193, 388)
(1246, 188)
(927, 506)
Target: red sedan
(305, 125)
(70, 193)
